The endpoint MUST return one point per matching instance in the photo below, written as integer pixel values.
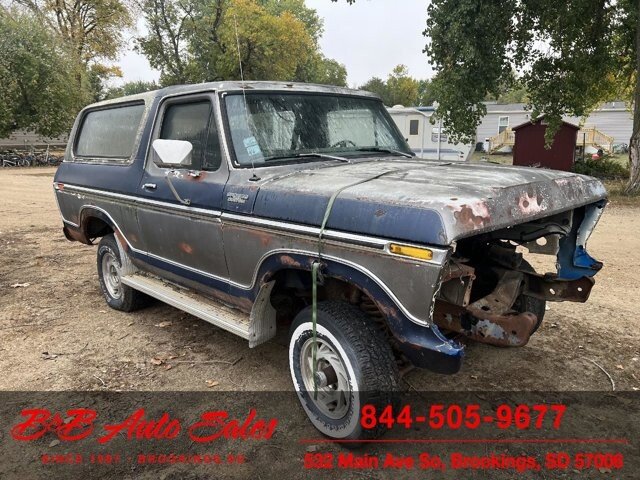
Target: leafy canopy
(570, 56)
(199, 41)
(401, 89)
(34, 77)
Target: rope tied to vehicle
(315, 269)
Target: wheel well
(95, 227)
(293, 292)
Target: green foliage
(605, 169)
(378, 86)
(196, 42)
(319, 69)
(131, 88)
(34, 78)
(400, 88)
(426, 95)
(565, 54)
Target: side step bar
(213, 312)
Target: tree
(571, 56)
(196, 42)
(401, 88)
(171, 25)
(323, 70)
(270, 46)
(376, 85)
(131, 88)
(426, 95)
(92, 31)
(34, 78)
(398, 89)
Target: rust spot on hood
(474, 216)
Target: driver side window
(195, 123)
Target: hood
(423, 201)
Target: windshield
(285, 128)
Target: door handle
(150, 186)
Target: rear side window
(109, 132)
(195, 123)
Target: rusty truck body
(221, 199)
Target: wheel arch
(95, 222)
(424, 344)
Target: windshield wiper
(307, 155)
(386, 150)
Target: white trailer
(427, 140)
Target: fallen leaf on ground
(157, 361)
(212, 383)
(54, 443)
(619, 367)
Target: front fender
(423, 344)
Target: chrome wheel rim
(334, 394)
(111, 274)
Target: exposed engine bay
(491, 294)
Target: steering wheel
(344, 143)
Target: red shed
(529, 149)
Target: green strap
(316, 266)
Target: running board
(213, 312)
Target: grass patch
(615, 189)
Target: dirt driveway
(56, 333)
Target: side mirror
(172, 153)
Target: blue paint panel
(573, 260)
(388, 221)
(112, 177)
(418, 225)
(291, 206)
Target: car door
(179, 208)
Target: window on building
(195, 123)
(503, 124)
(109, 132)
(413, 127)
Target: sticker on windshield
(251, 144)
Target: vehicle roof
(235, 85)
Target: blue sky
(370, 38)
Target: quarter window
(109, 132)
(195, 123)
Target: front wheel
(354, 366)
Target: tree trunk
(634, 145)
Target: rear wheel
(118, 296)
(354, 366)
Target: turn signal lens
(413, 252)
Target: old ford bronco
(260, 206)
